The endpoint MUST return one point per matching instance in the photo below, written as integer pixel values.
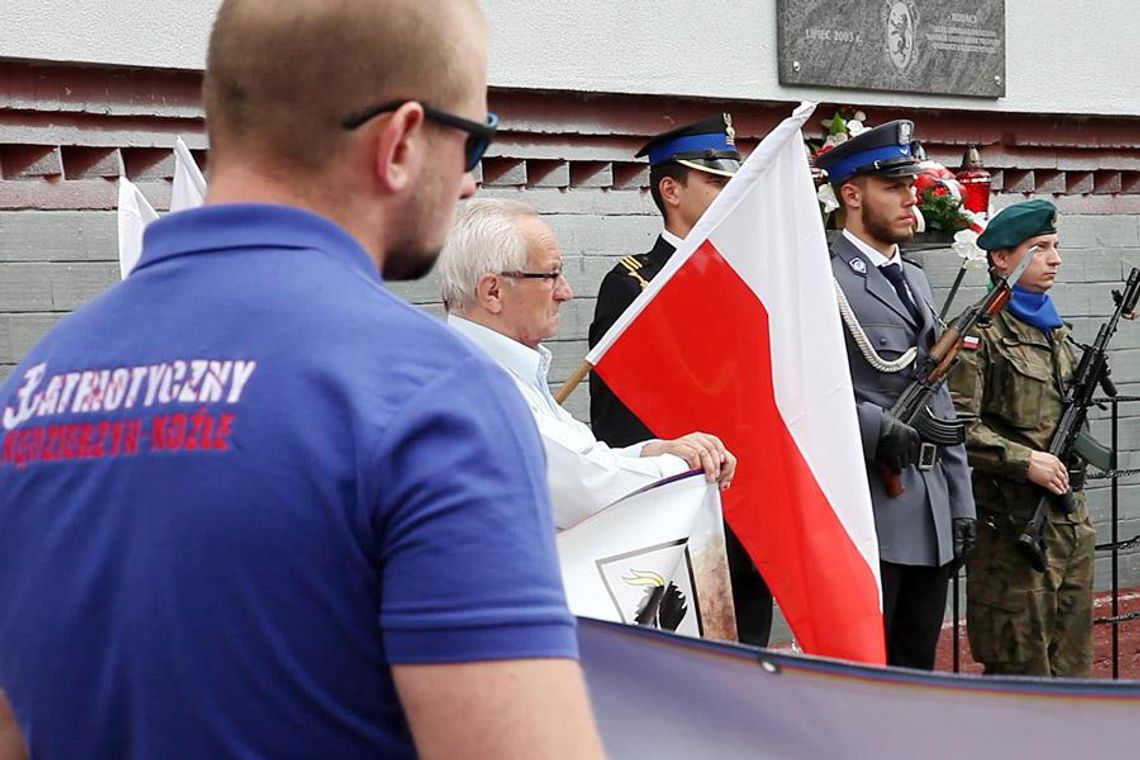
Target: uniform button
(882, 341)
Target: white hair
(485, 239)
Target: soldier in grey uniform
(890, 323)
(1011, 381)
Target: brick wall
(66, 134)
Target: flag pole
(573, 381)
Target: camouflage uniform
(1021, 621)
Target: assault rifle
(1070, 443)
(912, 407)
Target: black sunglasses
(479, 136)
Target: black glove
(965, 537)
(898, 444)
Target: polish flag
(740, 336)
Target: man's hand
(965, 538)
(701, 451)
(898, 444)
(1049, 472)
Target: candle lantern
(975, 182)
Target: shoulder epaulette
(631, 265)
(909, 260)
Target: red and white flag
(739, 335)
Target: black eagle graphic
(662, 607)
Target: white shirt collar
(527, 364)
(877, 259)
(671, 239)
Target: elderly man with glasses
(502, 284)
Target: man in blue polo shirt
(252, 504)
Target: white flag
(189, 183)
(654, 558)
(135, 213)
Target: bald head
(282, 76)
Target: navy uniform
(610, 419)
(706, 146)
(892, 307)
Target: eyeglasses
(479, 136)
(550, 277)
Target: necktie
(894, 273)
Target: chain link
(1110, 474)
(1118, 619)
(1120, 545)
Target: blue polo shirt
(240, 484)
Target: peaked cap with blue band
(708, 146)
(887, 150)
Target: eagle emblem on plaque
(901, 18)
(654, 587)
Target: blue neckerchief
(1034, 309)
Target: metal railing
(1115, 546)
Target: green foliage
(838, 125)
(943, 213)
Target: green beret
(1018, 223)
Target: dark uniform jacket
(1012, 385)
(611, 421)
(914, 528)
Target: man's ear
(670, 191)
(400, 147)
(851, 195)
(1000, 260)
(489, 293)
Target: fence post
(1115, 540)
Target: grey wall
(52, 261)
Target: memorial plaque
(954, 47)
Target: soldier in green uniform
(1009, 384)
